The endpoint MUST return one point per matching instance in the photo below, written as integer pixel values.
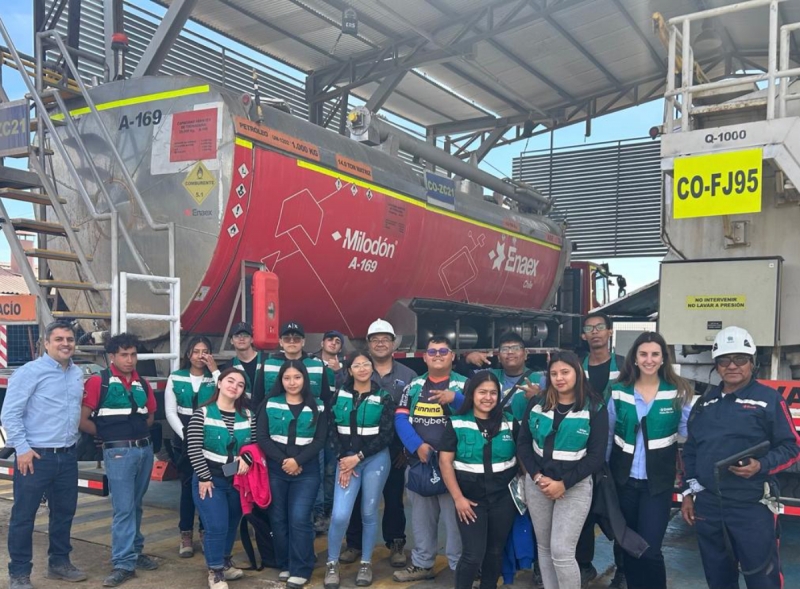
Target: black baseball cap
(333, 333)
(292, 327)
(241, 328)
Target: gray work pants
(425, 514)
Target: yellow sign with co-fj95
(717, 184)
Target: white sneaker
(284, 576)
(296, 582)
(230, 572)
(216, 580)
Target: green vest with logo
(457, 383)
(237, 364)
(185, 396)
(519, 402)
(572, 435)
(218, 444)
(368, 413)
(613, 374)
(115, 417)
(470, 450)
(659, 429)
(281, 417)
(314, 366)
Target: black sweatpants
(393, 524)
(647, 515)
(752, 530)
(483, 541)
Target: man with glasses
(392, 377)
(735, 527)
(601, 368)
(248, 360)
(41, 414)
(420, 421)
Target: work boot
(118, 577)
(619, 581)
(349, 555)
(145, 563)
(331, 575)
(187, 545)
(413, 573)
(364, 576)
(66, 572)
(397, 558)
(19, 582)
(537, 576)
(230, 572)
(216, 579)
(588, 573)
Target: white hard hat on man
(733, 340)
(380, 326)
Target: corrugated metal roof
(550, 58)
(12, 284)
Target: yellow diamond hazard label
(199, 182)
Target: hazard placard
(199, 182)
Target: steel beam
(383, 91)
(636, 29)
(486, 146)
(168, 30)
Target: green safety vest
(519, 402)
(471, 443)
(659, 428)
(218, 445)
(314, 366)
(237, 364)
(280, 418)
(368, 413)
(613, 374)
(117, 403)
(571, 437)
(185, 396)
(457, 383)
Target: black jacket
(608, 515)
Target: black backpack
(263, 535)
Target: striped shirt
(194, 442)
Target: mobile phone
(744, 461)
(230, 469)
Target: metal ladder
(46, 94)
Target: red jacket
(253, 487)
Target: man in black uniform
(736, 529)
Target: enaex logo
(196, 213)
(514, 262)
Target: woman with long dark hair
(561, 445)
(477, 457)
(188, 388)
(362, 427)
(649, 407)
(292, 429)
(216, 434)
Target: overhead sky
(635, 122)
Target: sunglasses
(437, 352)
(738, 360)
(292, 339)
(598, 328)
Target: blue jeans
(292, 531)
(56, 475)
(323, 504)
(220, 513)
(372, 474)
(128, 471)
(186, 509)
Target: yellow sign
(716, 302)
(199, 182)
(717, 184)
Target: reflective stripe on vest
(571, 437)
(281, 416)
(117, 400)
(217, 440)
(368, 412)
(471, 445)
(662, 418)
(456, 384)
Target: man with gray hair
(41, 413)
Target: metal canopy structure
(475, 69)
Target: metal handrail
(679, 26)
(131, 185)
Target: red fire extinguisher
(266, 323)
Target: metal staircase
(47, 92)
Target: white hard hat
(733, 340)
(380, 326)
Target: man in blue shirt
(41, 413)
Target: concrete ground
(91, 541)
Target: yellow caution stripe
(419, 203)
(138, 100)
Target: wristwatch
(360, 456)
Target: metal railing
(120, 315)
(679, 30)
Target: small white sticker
(202, 292)
(237, 211)
(336, 236)
(354, 189)
(241, 190)
(369, 194)
(233, 230)
(243, 171)
(338, 184)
